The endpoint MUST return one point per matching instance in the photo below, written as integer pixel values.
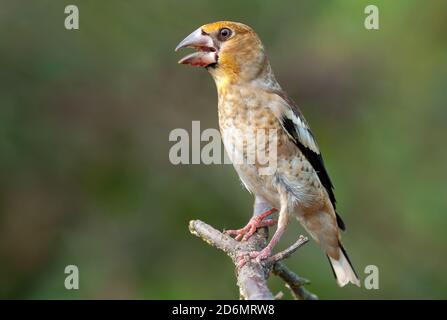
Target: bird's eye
(224, 34)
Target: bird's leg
(283, 221)
(261, 210)
(255, 222)
(264, 253)
(267, 251)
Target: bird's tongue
(200, 59)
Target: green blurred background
(85, 115)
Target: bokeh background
(85, 116)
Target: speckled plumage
(250, 101)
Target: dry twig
(252, 277)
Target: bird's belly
(302, 187)
(289, 170)
(258, 184)
(251, 162)
(264, 157)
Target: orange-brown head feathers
(231, 51)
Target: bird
(251, 101)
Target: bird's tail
(343, 270)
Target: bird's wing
(298, 130)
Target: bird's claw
(243, 233)
(261, 255)
(242, 260)
(256, 256)
(255, 222)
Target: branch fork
(252, 276)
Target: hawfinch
(252, 109)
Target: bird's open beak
(206, 54)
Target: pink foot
(245, 257)
(261, 255)
(255, 222)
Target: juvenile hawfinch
(251, 102)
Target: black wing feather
(316, 160)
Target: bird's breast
(246, 123)
(253, 138)
(262, 153)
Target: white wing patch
(302, 130)
(283, 109)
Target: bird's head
(230, 51)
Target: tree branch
(294, 282)
(252, 277)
